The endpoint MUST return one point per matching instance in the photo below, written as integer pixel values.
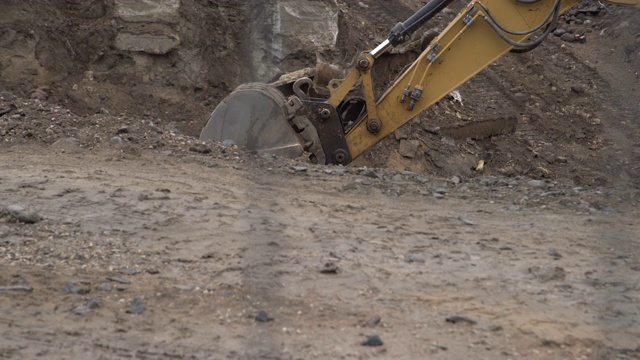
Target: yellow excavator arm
(478, 36)
(289, 119)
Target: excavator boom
(293, 118)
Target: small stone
(137, 306)
(536, 183)
(409, 148)
(123, 130)
(370, 174)
(16, 288)
(329, 268)
(93, 304)
(105, 287)
(554, 253)
(372, 321)
(466, 220)
(122, 288)
(414, 258)
(201, 149)
(172, 129)
(263, 317)
(71, 288)
(228, 143)
(455, 180)
(116, 141)
(119, 280)
(128, 271)
(300, 168)
(568, 37)
(546, 274)
(185, 288)
(81, 310)
(374, 340)
(559, 32)
(18, 213)
(455, 319)
(578, 89)
(8, 96)
(155, 128)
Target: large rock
(283, 28)
(157, 44)
(148, 10)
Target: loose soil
(533, 257)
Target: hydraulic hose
(406, 28)
(531, 44)
(526, 32)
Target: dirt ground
(123, 236)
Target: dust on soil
(538, 252)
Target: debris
(480, 165)
(299, 168)
(455, 95)
(16, 288)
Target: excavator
(294, 118)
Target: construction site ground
(124, 236)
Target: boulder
(286, 27)
(156, 44)
(148, 11)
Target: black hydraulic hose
(527, 32)
(406, 28)
(531, 44)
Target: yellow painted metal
(340, 88)
(464, 51)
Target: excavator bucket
(255, 117)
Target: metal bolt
(363, 64)
(340, 156)
(325, 113)
(373, 126)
